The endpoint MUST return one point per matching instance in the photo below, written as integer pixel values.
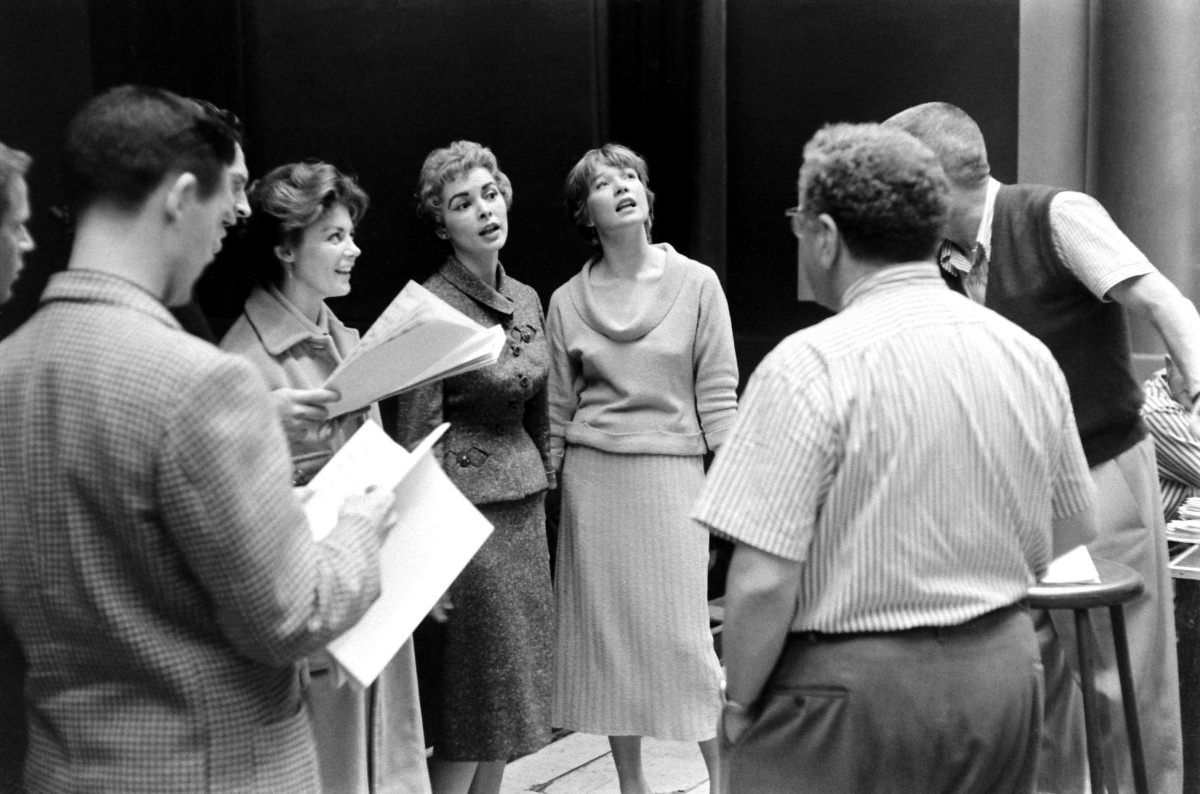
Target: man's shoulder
(1012, 334)
(120, 347)
(801, 355)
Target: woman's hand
(303, 413)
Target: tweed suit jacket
(498, 444)
(157, 571)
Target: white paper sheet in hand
(437, 533)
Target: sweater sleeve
(715, 362)
(563, 384)
(537, 416)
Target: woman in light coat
(302, 235)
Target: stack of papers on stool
(1188, 523)
(437, 532)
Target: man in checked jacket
(157, 571)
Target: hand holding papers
(437, 533)
(418, 339)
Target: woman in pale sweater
(302, 239)
(642, 385)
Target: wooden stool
(1118, 584)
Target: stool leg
(1132, 726)
(1083, 633)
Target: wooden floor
(581, 763)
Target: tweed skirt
(635, 654)
(490, 693)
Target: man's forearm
(1173, 316)
(760, 602)
(1178, 323)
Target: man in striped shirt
(1055, 263)
(898, 476)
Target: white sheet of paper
(1074, 567)
(369, 458)
(417, 339)
(437, 533)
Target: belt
(981, 623)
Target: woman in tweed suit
(491, 689)
(302, 233)
(642, 385)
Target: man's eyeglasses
(796, 218)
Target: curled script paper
(418, 339)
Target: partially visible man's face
(962, 223)
(239, 176)
(205, 223)
(811, 270)
(15, 240)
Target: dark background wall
(794, 65)
(719, 96)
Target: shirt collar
(95, 286)
(890, 277)
(984, 238)
(469, 284)
(280, 325)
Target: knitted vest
(1029, 284)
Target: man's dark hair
(125, 141)
(883, 188)
(13, 164)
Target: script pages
(437, 532)
(418, 339)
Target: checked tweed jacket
(156, 568)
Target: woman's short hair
(579, 184)
(883, 188)
(449, 163)
(289, 199)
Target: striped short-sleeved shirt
(1085, 236)
(1176, 447)
(909, 452)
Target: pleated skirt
(634, 650)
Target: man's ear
(829, 243)
(182, 190)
